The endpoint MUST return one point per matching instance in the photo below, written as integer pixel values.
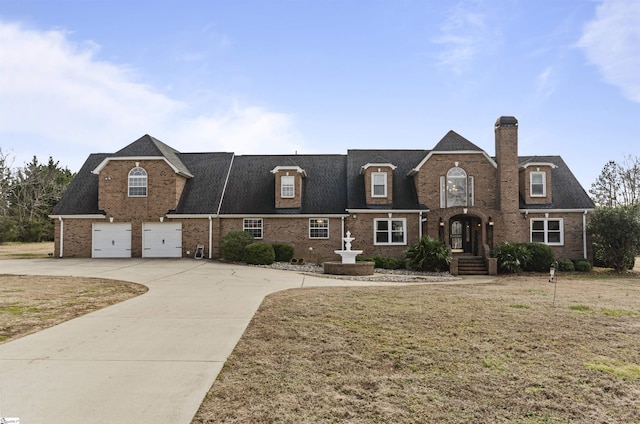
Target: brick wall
(362, 228)
(162, 195)
(195, 232)
(295, 231)
(77, 238)
(427, 180)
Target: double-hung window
(137, 182)
(253, 226)
(548, 231)
(378, 184)
(287, 186)
(538, 184)
(318, 228)
(390, 231)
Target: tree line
(615, 224)
(27, 197)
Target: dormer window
(137, 182)
(538, 182)
(379, 184)
(288, 187)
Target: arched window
(137, 182)
(456, 187)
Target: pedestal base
(357, 268)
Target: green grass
(615, 367)
(581, 308)
(17, 309)
(520, 306)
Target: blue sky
(276, 76)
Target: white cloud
(545, 83)
(241, 129)
(59, 99)
(464, 35)
(611, 42)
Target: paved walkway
(150, 359)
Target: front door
(456, 236)
(460, 235)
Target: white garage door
(111, 240)
(162, 240)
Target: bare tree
(618, 184)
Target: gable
(149, 148)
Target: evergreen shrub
(259, 254)
(566, 265)
(284, 252)
(583, 265)
(233, 244)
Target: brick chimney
(506, 130)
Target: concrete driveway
(150, 359)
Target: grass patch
(615, 367)
(618, 312)
(437, 354)
(537, 292)
(16, 309)
(581, 308)
(32, 303)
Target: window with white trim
(319, 228)
(138, 182)
(548, 231)
(443, 192)
(253, 226)
(538, 184)
(287, 186)
(390, 231)
(378, 184)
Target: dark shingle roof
(454, 142)
(150, 146)
(251, 186)
(566, 191)
(404, 194)
(202, 193)
(333, 183)
(81, 197)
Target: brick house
(149, 200)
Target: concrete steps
(472, 265)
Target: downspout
(420, 225)
(210, 236)
(61, 235)
(584, 234)
(224, 190)
(342, 233)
